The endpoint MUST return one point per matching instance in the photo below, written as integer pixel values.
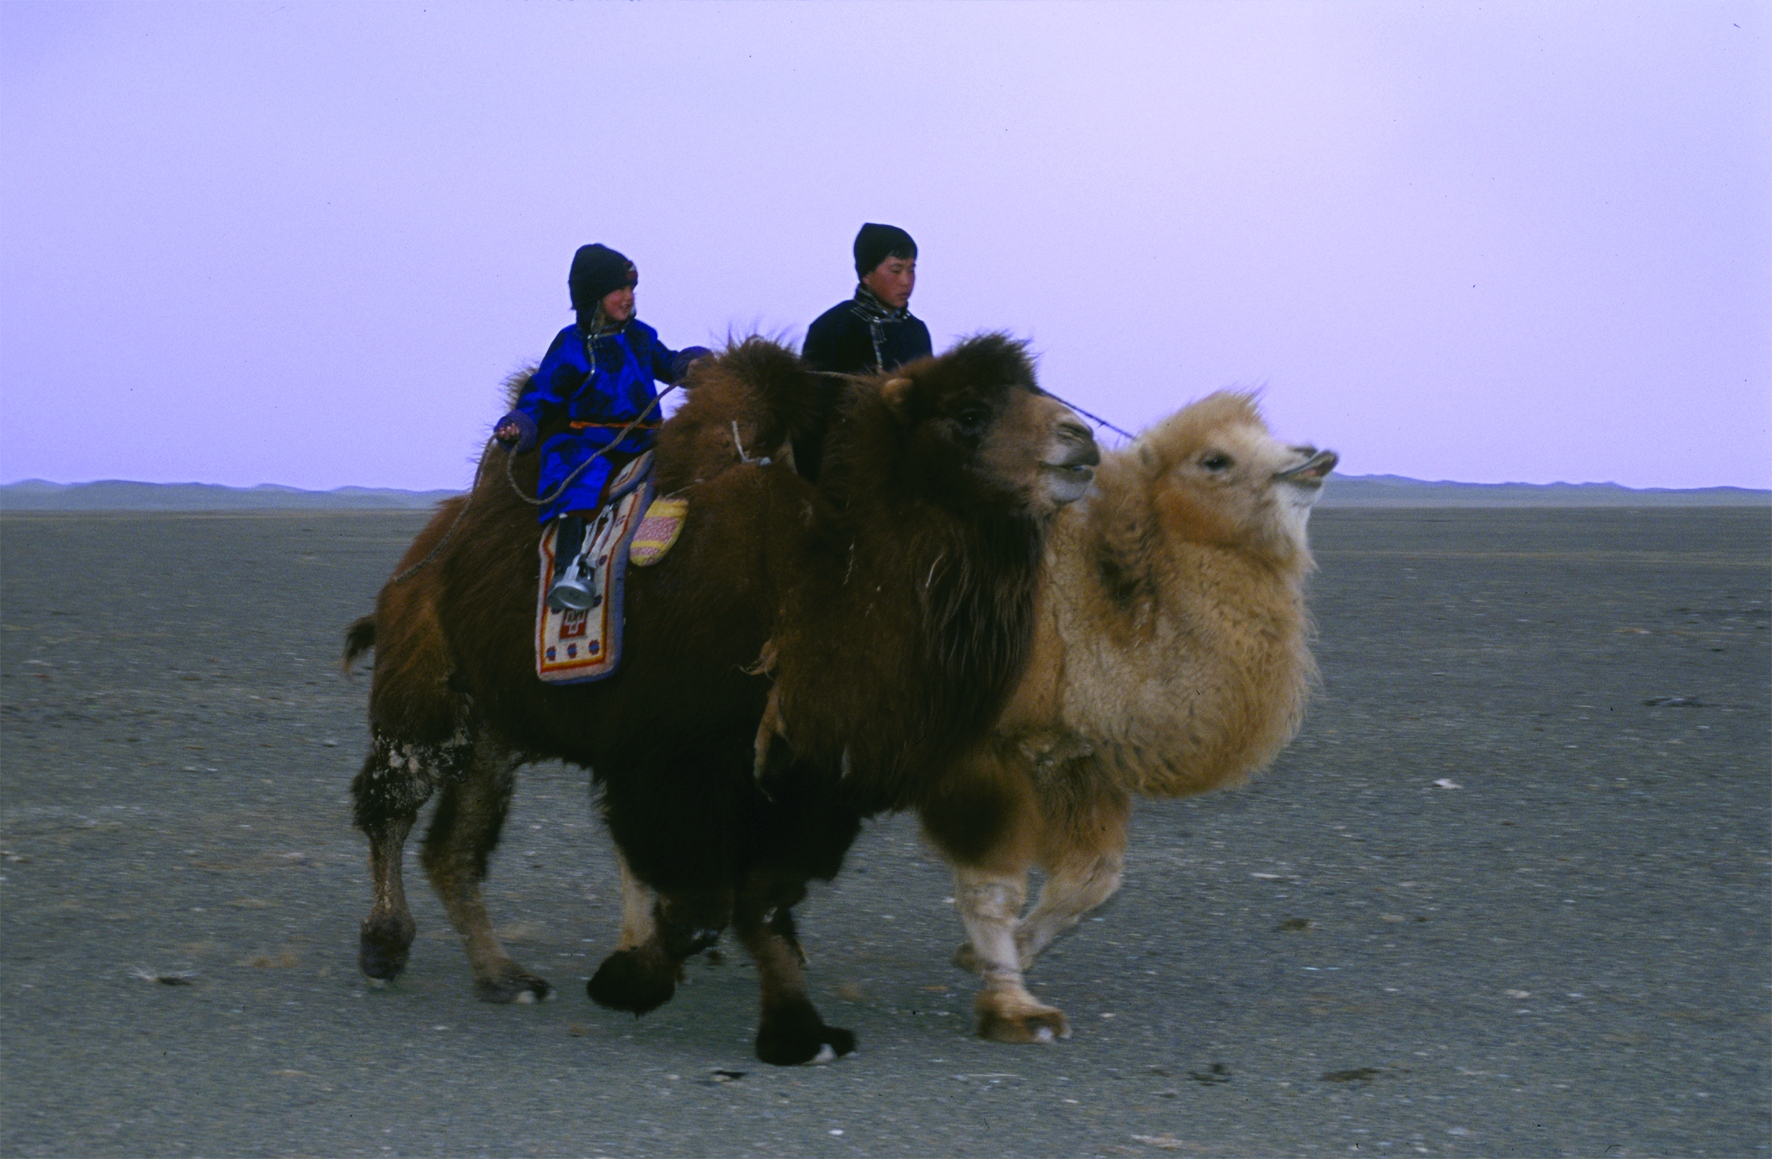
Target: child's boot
(573, 588)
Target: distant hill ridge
(123, 495)
(1343, 491)
(1397, 491)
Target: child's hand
(508, 435)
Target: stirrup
(572, 592)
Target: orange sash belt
(613, 426)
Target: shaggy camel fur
(938, 488)
(1171, 657)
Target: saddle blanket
(574, 646)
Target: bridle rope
(544, 500)
(1094, 418)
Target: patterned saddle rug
(573, 647)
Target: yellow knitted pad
(658, 531)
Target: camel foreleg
(637, 902)
(643, 972)
(1072, 888)
(790, 1030)
(990, 903)
(1083, 851)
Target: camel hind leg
(388, 792)
(465, 829)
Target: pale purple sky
(303, 243)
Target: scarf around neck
(602, 326)
(871, 308)
(876, 314)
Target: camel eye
(1215, 462)
(973, 419)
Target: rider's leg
(568, 542)
(574, 586)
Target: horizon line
(1384, 478)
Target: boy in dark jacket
(873, 332)
(596, 378)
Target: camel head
(1214, 474)
(982, 437)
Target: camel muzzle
(1073, 471)
(1312, 471)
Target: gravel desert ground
(1507, 894)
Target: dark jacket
(582, 394)
(860, 336)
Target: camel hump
(784, 386)
(516, 384)
(751, 401)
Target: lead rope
(459, 516)
(510, 459)
(1094, 418)
(510, 474)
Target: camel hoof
(795, 1034)
(633, 980)
(384, 945)
(1020, 1022)
(512, 985)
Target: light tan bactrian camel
(1171, 657)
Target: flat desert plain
(1507, 893)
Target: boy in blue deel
(595, 379)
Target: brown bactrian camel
(911, 568)
(1170, 657)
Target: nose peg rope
(1096, 419)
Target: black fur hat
(598, 270)
(875, 243)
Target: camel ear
(896, 393)
(1148, 457)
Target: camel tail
(359, 638)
